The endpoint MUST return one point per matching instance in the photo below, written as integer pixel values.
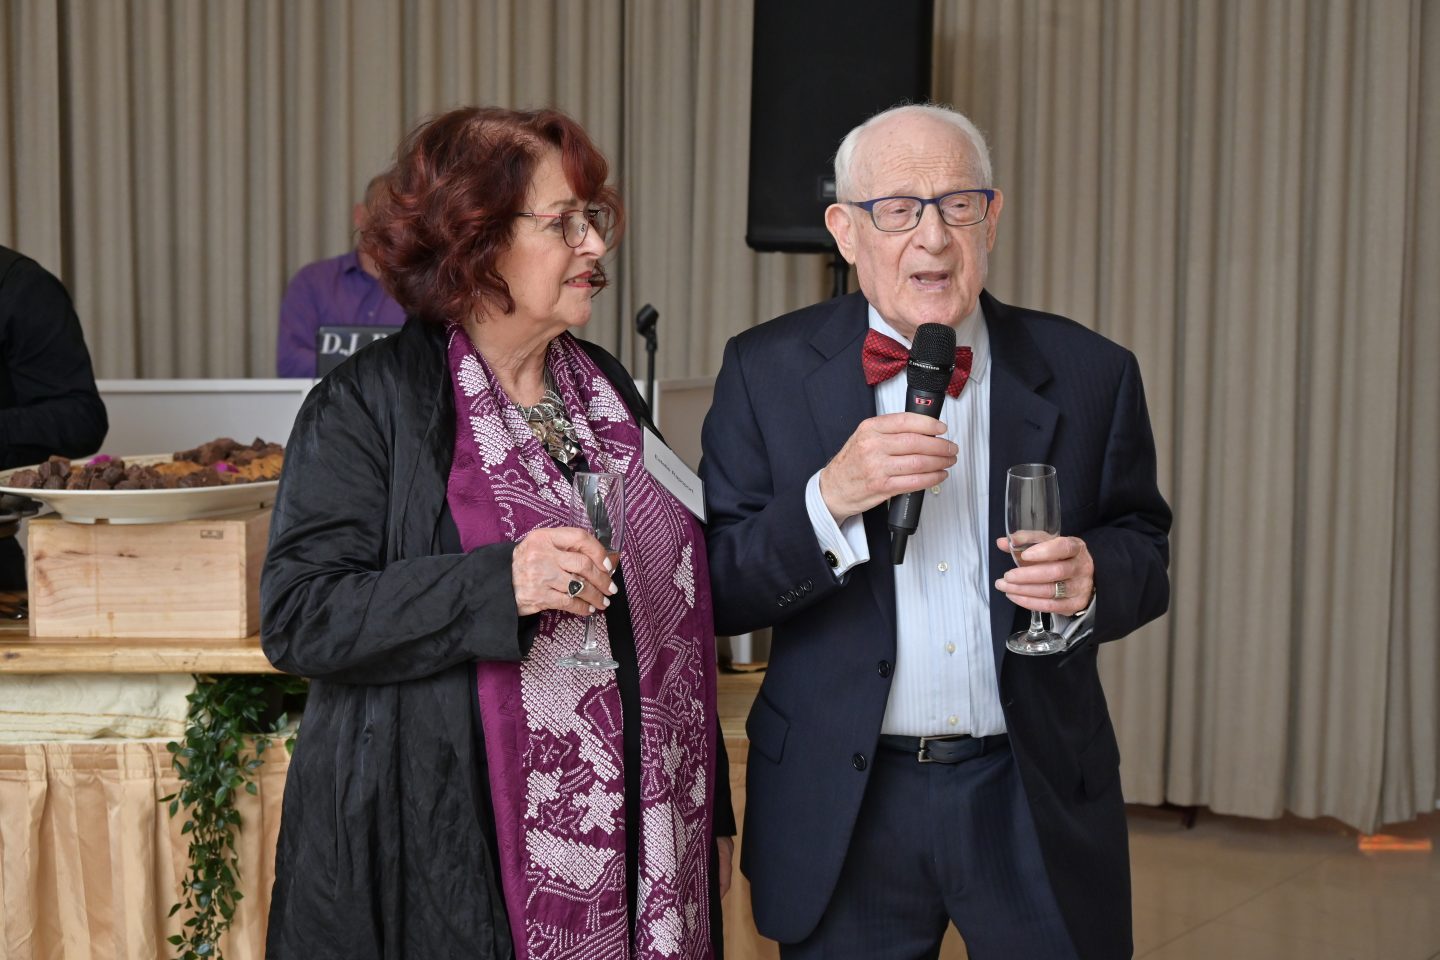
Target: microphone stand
(645, 322)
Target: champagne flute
(599, 507)
(1032, 515)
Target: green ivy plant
(228, 718)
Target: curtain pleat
(1243, 194)
(1139, 230)
(91, 861)
(659, 40)
(212, 149)
(30, 109)
(727, 286)
(1238, 193)
(1411, 780)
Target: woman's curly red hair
(447, 209)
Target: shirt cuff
(843, 544)
(1077, 628)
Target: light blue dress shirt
(945, 680)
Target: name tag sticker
(672, 473)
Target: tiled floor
(1229, 889)
(1237, 889)
(1290, 889)
(1275, 890)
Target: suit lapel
(1022, 430)
(839, 399)
(838, 396)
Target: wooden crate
(188, 579)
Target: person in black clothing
(48, 402)
(455, 790)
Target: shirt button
(831, 559)
(858, 761)
(942, 566)
(952, 720)
(935, 489)
(949, 648)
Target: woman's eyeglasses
(575, 225)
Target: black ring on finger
(574, 587)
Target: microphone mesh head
(932, 357)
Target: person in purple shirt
(343, 291)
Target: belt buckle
(923, 754)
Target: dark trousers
(937, 843)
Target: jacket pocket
(767, 729)
(1082, 649)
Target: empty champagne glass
(599, 506)
(1032, 515)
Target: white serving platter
(146, 506)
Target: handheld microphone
(927, 375)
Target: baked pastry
(219, 462)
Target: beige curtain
(1245, 194)
(1412, 678)
(176, 162)
(91, 861)
(686, 173)
(30, 213)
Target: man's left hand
(724, 853)
(1064, 560)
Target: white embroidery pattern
(574, 787)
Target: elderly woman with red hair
(455, 791)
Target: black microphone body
(927, 376)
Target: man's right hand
(885, 456)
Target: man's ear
(992, 219)
(842, 227)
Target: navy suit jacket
(789, 393)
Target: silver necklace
(547, 421)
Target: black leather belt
(955, 748)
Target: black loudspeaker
(822, 67)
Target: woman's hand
(549, 559)
(725, 853)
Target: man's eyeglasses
(963, 208)
(575, 225)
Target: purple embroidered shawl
(553, 735)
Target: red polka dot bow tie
(883, 358)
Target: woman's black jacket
(387, 834)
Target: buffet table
(90, 860)
(22, 654)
